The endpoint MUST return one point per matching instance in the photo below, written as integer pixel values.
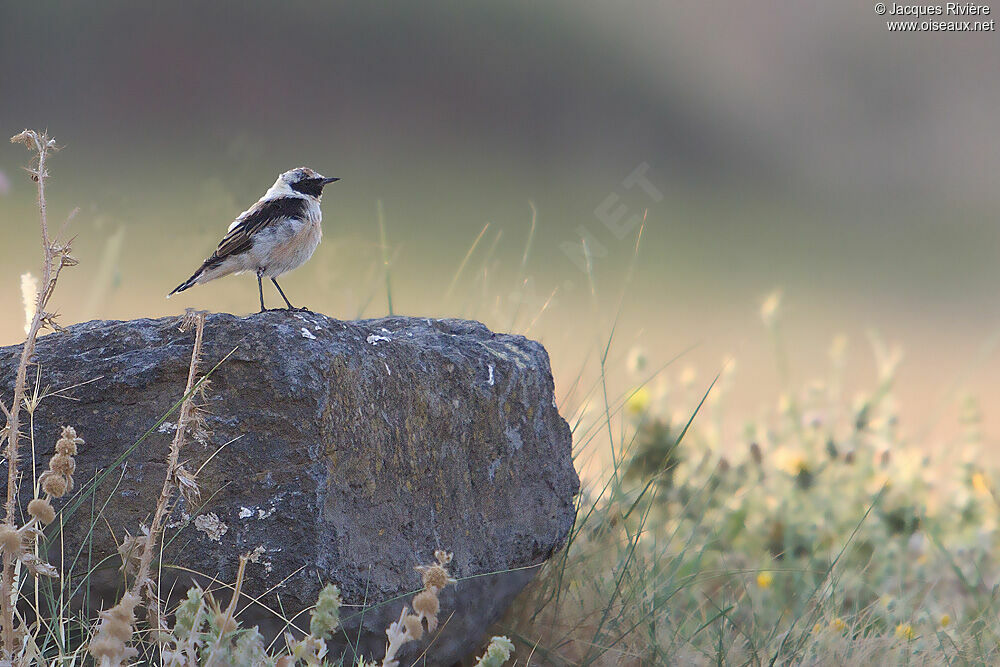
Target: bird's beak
(327, 181)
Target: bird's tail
(210, 269)
(190, 282)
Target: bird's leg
(287, 302)
(260, 290)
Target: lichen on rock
(361, 449)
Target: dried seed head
(68, 441)
(62, 464)
(435, 576)
(57, 481)
(104, 647)
(225, 623)
(414, 628)
(10, 540)
(69, 433)
(55, 484)
(121, 617)
(66, 447)
(426, 605)
(114, 631)
(41, 509)
(187, 484)
(24, 137)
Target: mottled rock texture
(352, 451)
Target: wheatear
(277, 234)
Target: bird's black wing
(239, 238)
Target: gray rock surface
(352, 451)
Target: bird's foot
(303, 309)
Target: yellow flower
(981, 484)
(788, 461)
(905, 631)
(945, 621)
(638, 402)
(838, 624)
(765, 579)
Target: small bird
(277, 234)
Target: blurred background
(791, 146)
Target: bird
(277, 234)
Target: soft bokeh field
(790, 148)
(795, 148)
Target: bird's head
(304, 181)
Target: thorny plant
(55, 256)
(109, 645)
(207, 633)
(410, 626)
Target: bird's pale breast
(286, 245)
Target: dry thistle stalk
(175, 473)
(138, 552)
(410, 626)
(57, 481)
(55, 256)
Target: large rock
(352, 450)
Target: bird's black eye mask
(310, 186)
